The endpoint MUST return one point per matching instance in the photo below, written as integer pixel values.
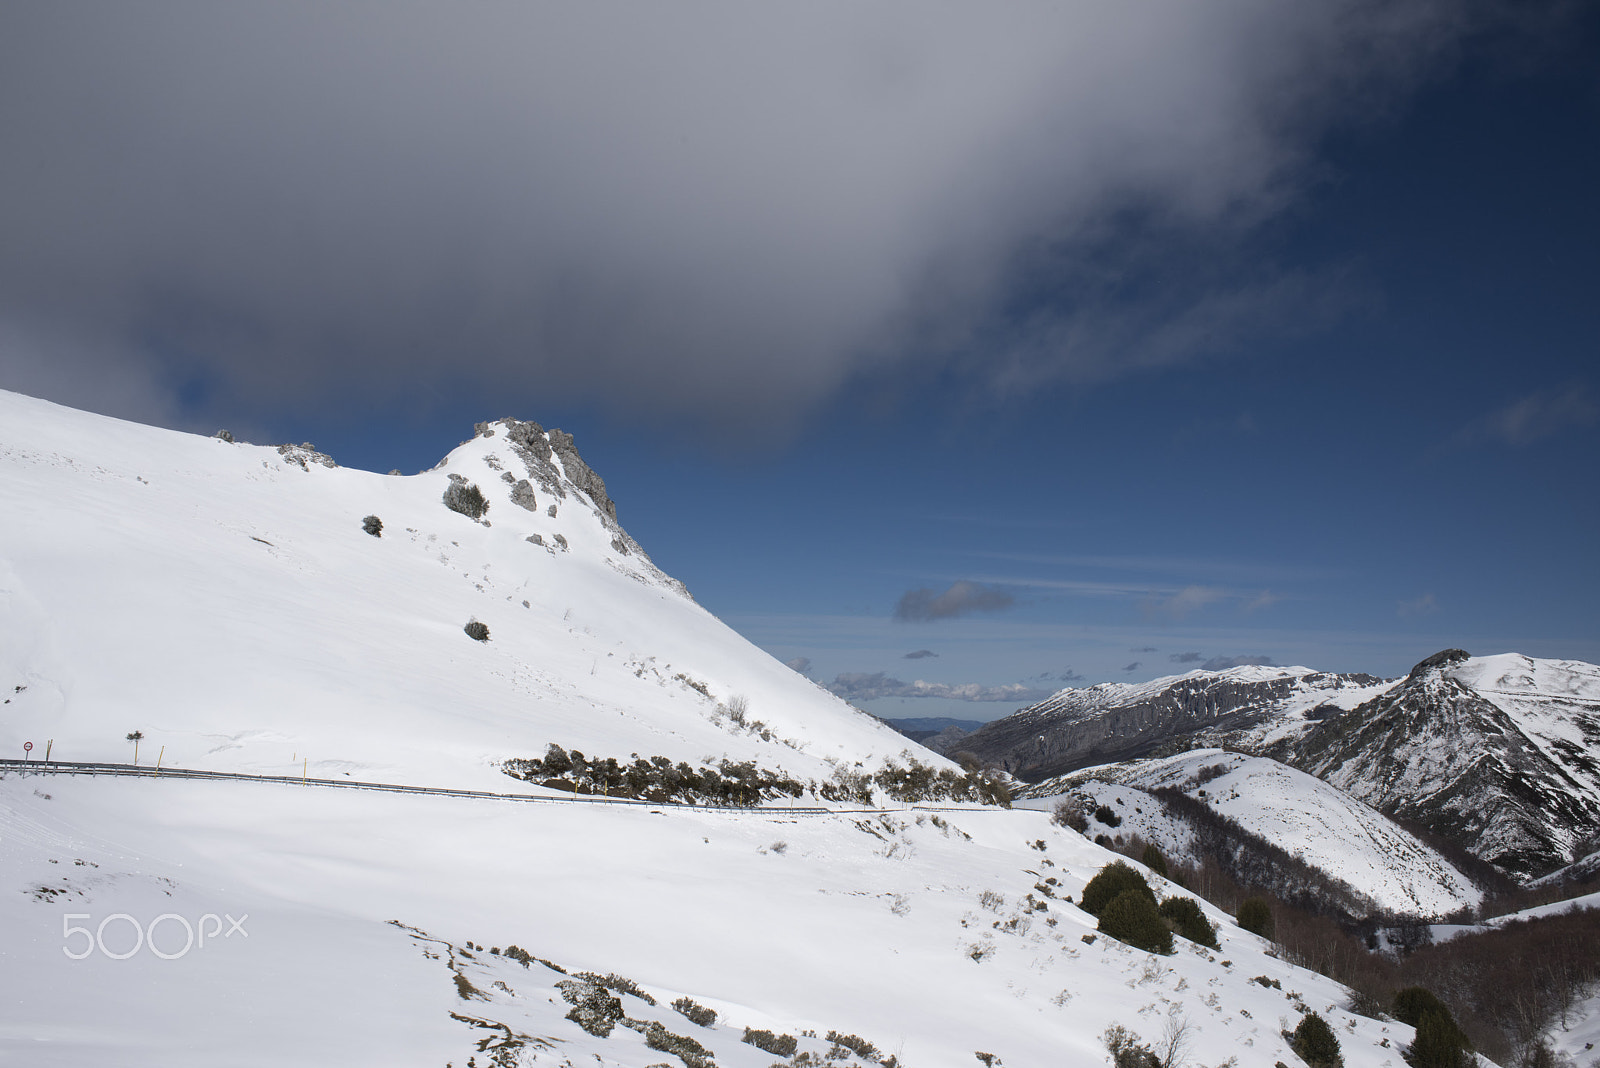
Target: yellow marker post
(48, 743)
(158, 759)
(304, 764)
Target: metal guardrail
(68, 767)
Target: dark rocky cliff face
(1103, 724)
(1434, 751)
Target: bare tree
(1173, 1047)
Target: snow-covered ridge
(225, 601)
(1303, 815)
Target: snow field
(865, 924)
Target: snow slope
(1301, 814)
(224, 600)
(877, 926)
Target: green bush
(478, 632)
(1255, 916)
(1132, 918)
(1153, 860)
(1186, 918)
(1415, 1002)
(1111, 881)
(1107, 816)
(1315, 1043)
(1440, 1042)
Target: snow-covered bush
(594, 1008)
(780, 1045)
(465, 497)
(696, 1012)
(855, 1044)
(683, 1047)
(373, 525)
(477, 631)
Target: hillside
(1110, 722)
(225, 601)
(1311, 820)
(1515, 779)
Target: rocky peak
(1438, 662)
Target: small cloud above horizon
(961, 599)
(1185, 602)
(1135, 666)
(1538, 415)
(920, 654)
(1143, 649)
(1425, 605)
(1185, 658)
(1223, 663)
(865, 686)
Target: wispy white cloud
(1424, 605)
(1184, 603)
(1534, 417)
(862, 686)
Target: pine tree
(1255, 916)
(1316, 1044)
(1132, 918)
(1113, 879)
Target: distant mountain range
(1498, 754)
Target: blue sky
(1276, 339)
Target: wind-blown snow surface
(224, 600)
(870, 925)
(1306, 817)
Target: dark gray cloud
(687, 212)
(1185, 658)
(1135, 666)
(920, 654)
(1143, 649)
(961, 599)
(1222, 663)
(1060, 676)
(802, 664)
(860, 686)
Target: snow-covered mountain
(229, 604)
(226, 601)
(1499, 753)
(1390, 870)
(1241, 706)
